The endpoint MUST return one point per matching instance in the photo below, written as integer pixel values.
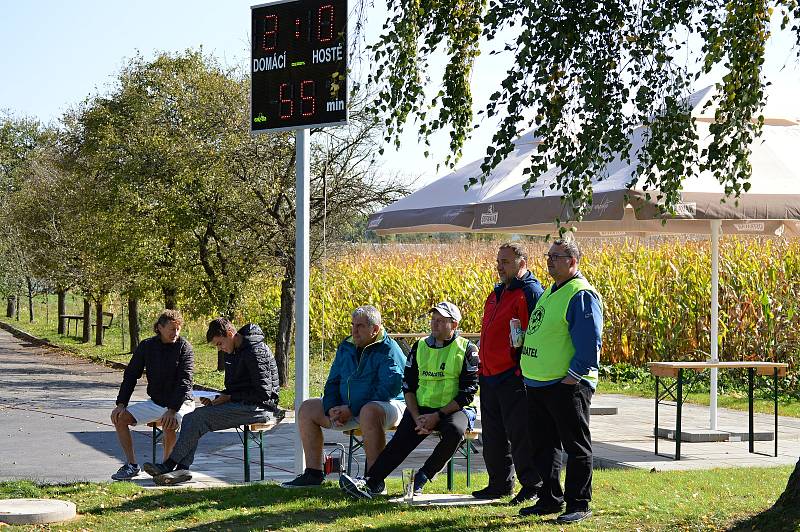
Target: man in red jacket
(506, 443)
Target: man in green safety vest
(560, 361)
(439, 384)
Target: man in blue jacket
(363, 390)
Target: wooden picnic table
(677, 371)
(70, 317)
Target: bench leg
(469, 460)
(261, 450)
(678, 417)
(775, 396)
(655, 429)
(350, 454)
(246, 443)
(750, 440)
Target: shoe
(491, 493)
(172, 478)
(540, 509)
(355, 487)
(308, 479)
(573, 516)
(155, 470)
(527, 493)
(126, 472)
(420, 479)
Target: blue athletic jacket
(377, 377)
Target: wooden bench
(106, 326)
(465, 449)
(677, 371)
(246, 433)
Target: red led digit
(297, 25)
(308, 105)
(285, 96)
(325, 23)
(270, 41)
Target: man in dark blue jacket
(363, 390)
(250, 396)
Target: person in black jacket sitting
(250, 396)
(168, 361)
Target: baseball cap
(448, 310)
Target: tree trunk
(283, 343)
(29, 285)
(87, 320)
(133, 322)
(170, 297)
(62, 309)
(98, 329)
(11, 306)
(16, 306)
(790, 498)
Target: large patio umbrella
(444, 205)
(770, 207)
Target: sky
(55, 53)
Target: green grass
(623, 500)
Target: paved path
(55, 427)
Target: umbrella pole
(715, 231)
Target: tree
(20, 138)
(583, 76)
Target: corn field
(656, 293)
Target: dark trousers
(451, 428)
(559, 419)
(209, 419)
(506, 443)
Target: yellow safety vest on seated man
(439, 371)
(548, 349)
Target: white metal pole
(302, 231)
(715, 231)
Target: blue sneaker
(126, 472)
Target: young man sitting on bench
(250, 396)
(440, 382)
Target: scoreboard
(298, 64)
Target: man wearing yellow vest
(560, 360)
(439, 383)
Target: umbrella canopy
(444, 205)
(771, 206)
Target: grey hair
(369, 312)
(570, 246)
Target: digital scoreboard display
(298, 65)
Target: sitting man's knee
(372, 414)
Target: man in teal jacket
(363, 390)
